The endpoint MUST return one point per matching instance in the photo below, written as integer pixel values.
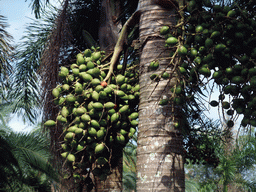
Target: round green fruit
(214, 103)
(99, 148)
(199, 29)
(231, 13)
(164, 30)
(171, 41)
(49, 123)
(182, 50)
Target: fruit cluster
(98, 116)
(218, 43)
(215, 43)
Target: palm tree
(6, 52)
(25, 161)
(160, 165)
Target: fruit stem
(121, 42)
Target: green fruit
(136, 88)
(198, 60)
(80, 111)
(219, 47)
(72, 128)
(70, 98)
(79, 147)
(55, 92)
(124, 87)
(154, 65)
(199, 29)
(69, 136)
(214, 103)
(62, 119)
(114, 117)
(65, 154)
(182, 50)
(90, 65)
(95, 82)
(217, 74)
(79, 89)
(225, 105)
(231, 13)
(92, 132)
(99, 88)
(95, 95)
(111, 111)
(164, 30)
(96, 72)
(119, 93)
(85, 118)
(109, 105)
(71, 157)
(50, 123)
(171, 41)
(120, 79)
(96, 56)
(165, 75)
(99, 148)
(134, 123)
(237, 80)
(95, 124)
(208, 43)
(65, 87)
(79, 131)
(120, 139)
(205, 71)
(64, 70)
(182, 70)
(82, 67)
(75, 71)
(153, 76)
(134, 115)
(100, 134)
(80, 59)
(193, 52)
(124, 109)
(87, 53)
(215, 34)
(98, 106)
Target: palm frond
(32, 151)
(129, 181)
(37, 6)
(26, 81)
(6, 51)
(9, 166)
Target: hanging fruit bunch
(214, 44)
(98, 115)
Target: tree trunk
(108, 35)
(160, 165)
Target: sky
(18, 13)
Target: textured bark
(109, 28)
(113, 182)
(160, 165)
